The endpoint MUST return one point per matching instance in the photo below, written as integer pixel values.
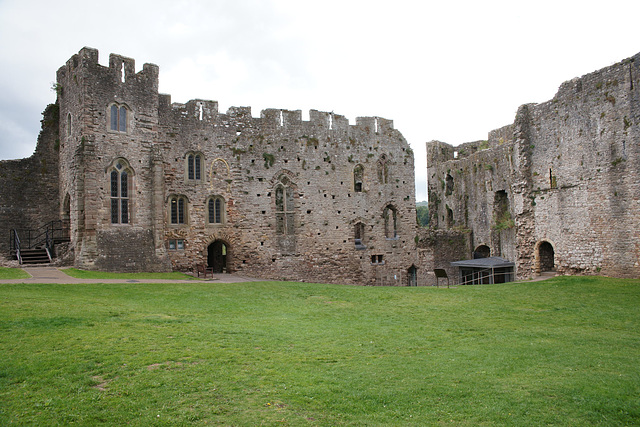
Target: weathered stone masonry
(558, 189)
(153, 185)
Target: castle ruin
(150, 185)
(557, 190)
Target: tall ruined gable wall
(584, 180)
(570, 170)
(30, 186)
(243, 160)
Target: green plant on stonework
(617, 161)
(269, 160)
(504, 222)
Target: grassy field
(12, 273)
(88, 274)
(558, 352)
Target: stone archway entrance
(546, 257)
(217, 256)
(482, 251)
(412, 276)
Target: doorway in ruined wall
(546, 257)
(217, 256)
(482, 251)
(412, 276)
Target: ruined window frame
(383, 169)
(120, 176)
(219, 212)
(390, 223)
(358, 235)
(178, 210)
(377, 260)
(284, 208)
(358, 179)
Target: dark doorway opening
(546, 256)
(412, 276)
(217, 256)
(482, 251)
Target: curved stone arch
(278, 178)
(210, 251)
(482, 251)
(544, 255)
(213, 175)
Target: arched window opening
(390, 215)
(412, 276)
(119, 177)
(482, 251)
(178, 208)
(118, 118)
(358, 175)
(284, 208)
(449, 185)
(546, 256)
(69, 124)
(215, 208)
(194, 167)
(449, 221)
(358, 235)
(383, 169)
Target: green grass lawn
(13, 273)
(559, 352)
(86, 274)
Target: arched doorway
(412, 276)
(217, 256)
(546, 256)
(482, 251)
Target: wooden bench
(202, 268)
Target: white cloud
(451, 70)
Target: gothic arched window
(215, 210)
(120, 177)
(390, 215)
(178, 209)
(118, 118)
(284, 207)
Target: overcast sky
(446, 70)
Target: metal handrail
(478, 277)
(16, 244)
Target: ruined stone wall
(30, 186)
(566, 172)
(245, 159)
(349, 189)
(90, 150)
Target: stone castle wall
(566, 172)
(340, 178)
(30, 209)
